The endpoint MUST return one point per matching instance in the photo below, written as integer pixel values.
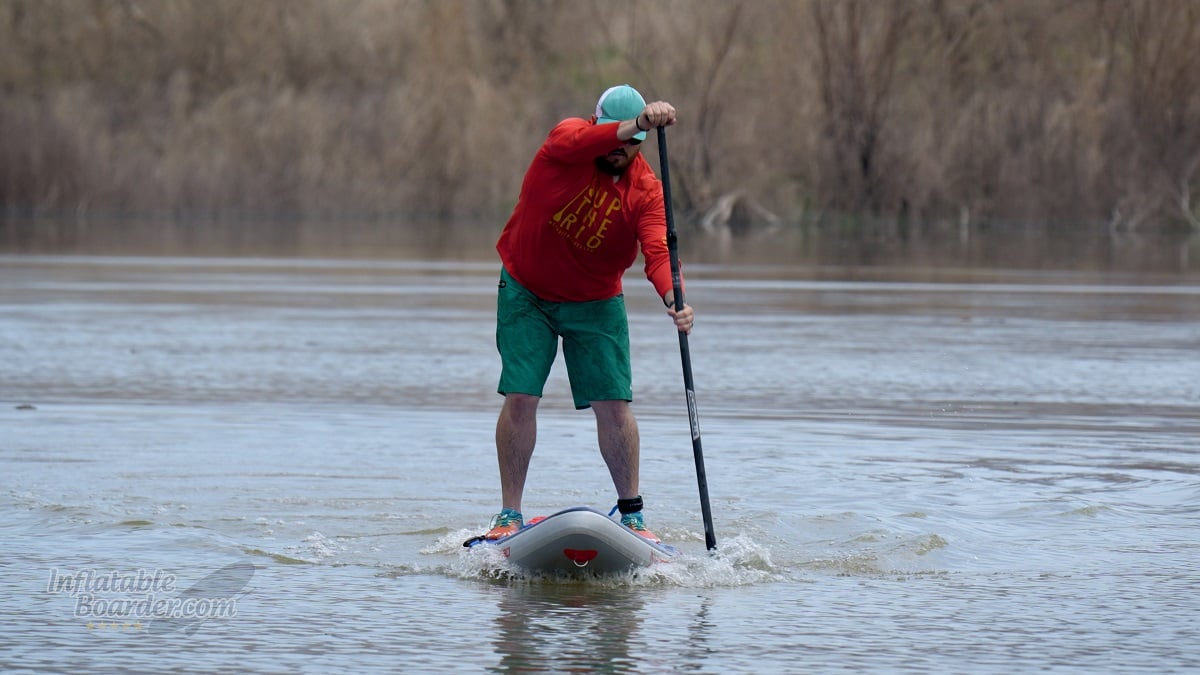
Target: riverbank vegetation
(916, 118)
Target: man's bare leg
(516, 434)
(617, 432)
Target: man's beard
(604, 165)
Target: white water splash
(315, 547)
(736, 562)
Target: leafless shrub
(925, 115)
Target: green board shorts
(595, 339)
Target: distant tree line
(921, 115)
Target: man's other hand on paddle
(684, 318)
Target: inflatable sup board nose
(575, 540)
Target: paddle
(710, 538)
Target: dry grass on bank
(922, 113)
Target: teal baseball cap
(620, 103)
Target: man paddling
(589, 200)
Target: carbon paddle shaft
(710, 538)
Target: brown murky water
(989, 476)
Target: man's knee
(520, 406)
(616, 412)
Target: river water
(993, 474)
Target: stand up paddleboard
(577, 540)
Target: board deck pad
(578, 540)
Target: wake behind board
(576, 540)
